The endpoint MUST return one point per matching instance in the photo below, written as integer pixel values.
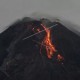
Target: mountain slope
(24, 61)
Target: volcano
(39, 50)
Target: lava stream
(47, 41)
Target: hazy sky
(11, 10)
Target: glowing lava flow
(47, 41)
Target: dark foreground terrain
(20, 58)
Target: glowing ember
(47, 41)
(59, 57)
(38, 30)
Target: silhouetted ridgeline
(21, 59)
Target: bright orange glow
(38, 30)
(47, 43)
(50, 48)
(59, 57)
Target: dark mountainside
(21, 59)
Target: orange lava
(59, 57)
(38, 30)
(47, 41)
